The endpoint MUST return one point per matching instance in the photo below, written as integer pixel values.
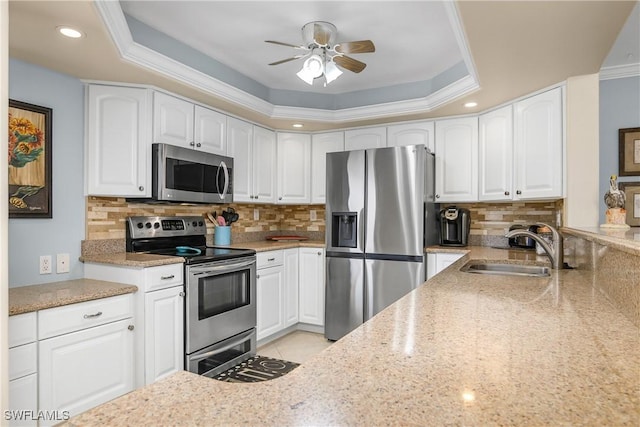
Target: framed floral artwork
(629, 151)
(632, 206)
(29, 160)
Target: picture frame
(629, 151)
(30, 152)
(632, 205)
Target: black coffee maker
(455, 224)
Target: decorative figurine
(615, 199)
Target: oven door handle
(219, 268)
(229, 346)
(223, 165)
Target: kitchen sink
(505, 269)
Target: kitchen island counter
(462, 349)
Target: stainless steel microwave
(190, 176)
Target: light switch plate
(62, 263)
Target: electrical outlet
(45, 264)
(312, 215)
(256, 214)
(62, 263)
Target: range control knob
(194, 223)
(148, 225)
(200, 223)
(156, 225)
(139, 225)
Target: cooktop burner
(176, 236)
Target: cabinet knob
(518, 192)
(506, 193)
(182, 294)
(251, 197)
(279, 198)
(319, 253)
(192, 143)
(256, 197)
(131, 327)
(198, 145)
(437, 196)
(141, 188)
(257, 276)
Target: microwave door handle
(223, 165)
(229, 346)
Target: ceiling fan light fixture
(312, 68)
(331, 71)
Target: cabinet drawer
(164, 276)
(22, 329)
(23, 396)
(74, 317)
(23, 360)
(269, 259)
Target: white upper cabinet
(360, 139)
(495, 151)
(118, 141)
(179, 122)
(321, 144)
(538, 146)
(254, 162)
(457, 160)
(294, 168)
(412, 134)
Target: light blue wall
(30, 238)
(619, 109)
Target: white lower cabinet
(290, 295)
(270, 300)
(311, 286)
(23, 398)
(85, 355)
(159, 316)
(23, 369)
(436, 262)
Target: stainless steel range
(220, 303)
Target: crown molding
(620, 71)
(133, 52)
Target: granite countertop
(272, 245)
(130, 259)
(626, 240)
(26, 299)
(461, 349)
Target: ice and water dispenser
(344, 229)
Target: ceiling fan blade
(282, 61)
(320, 34)
(360, 46)
(349, 63)
(286, 44)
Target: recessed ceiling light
(70, 32)
(298, 125)
(470, 104)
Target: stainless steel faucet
(554, 252)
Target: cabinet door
(270, 291)
(457, 160)
(209, 130)
(164, 333)
(538, 146)
(361, 139)
(412, 134)
(23, 396)
(240, 147)
(290, 302)
(118, 141)
(294, 168)
(83, 369)
(311, 286)
(264, 165)
(172, 120)
(495, 152)
(321, 144)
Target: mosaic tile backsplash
(106, 217)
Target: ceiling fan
(323, 54)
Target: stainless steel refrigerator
(380, 214)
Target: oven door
(217, 358)
(220, 301)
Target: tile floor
(298, 346)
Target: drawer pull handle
(91, 316)
(167, 277)
(271, 259)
